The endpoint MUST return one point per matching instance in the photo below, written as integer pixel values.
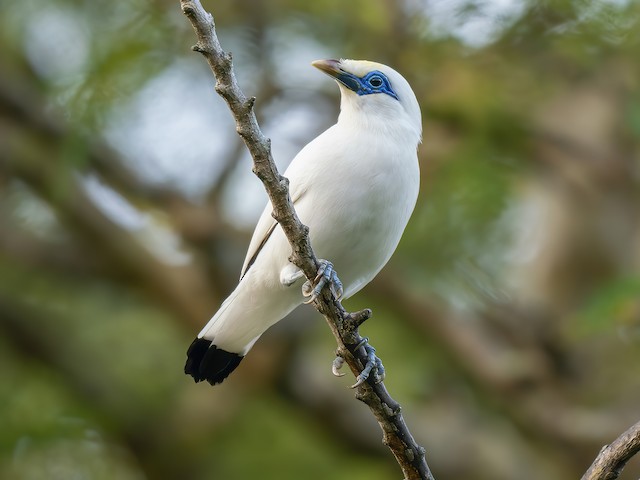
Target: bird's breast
(359, 204)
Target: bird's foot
(373, 368)
(326, 275)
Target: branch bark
(344, 326)
(612, 458)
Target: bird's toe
(337, 364)
(373, 368)
(326, 276)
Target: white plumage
(354, 186)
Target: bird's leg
(326, 275)
(290, 275)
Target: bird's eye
(375, 82)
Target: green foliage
(291, 445)
(49, 432)
(615, 307)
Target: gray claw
(326, 274)
(337, 364)
(360, 381)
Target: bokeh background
(508, 319)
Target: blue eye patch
(372, 82)
(375, 82)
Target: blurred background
(508, 319)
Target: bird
(355, 186)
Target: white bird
(354, 186)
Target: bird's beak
(334, 69)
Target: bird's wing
(301, 173)
(265, 227)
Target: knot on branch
(198, 47)
(188, 9)
(222, 89)
(409, 454)
(248, 105)
(364, 395)
(283, 181)
(355, 319)
(390, 411)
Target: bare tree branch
(409, 455)
(612, 458)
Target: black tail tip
(208, 362)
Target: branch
(612, 458)
(409, 455)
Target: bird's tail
(248, 311)
(208, 362)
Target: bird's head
(376, 91)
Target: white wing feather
(264, 229)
